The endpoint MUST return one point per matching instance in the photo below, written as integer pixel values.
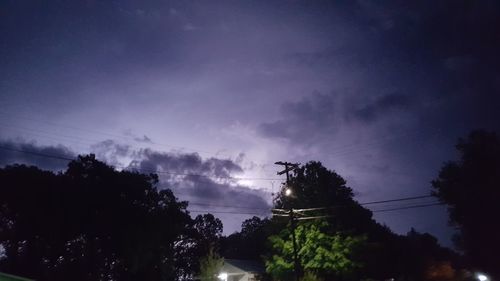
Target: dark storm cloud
(383, 105)
(184, 163)
(304, 119)
(211, 181)
(186, 69)
(319, 116)
(436, 64)
(70, 31)
(409, 78)
(45, 157)
(457, 43)
(210, 192)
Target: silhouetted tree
(384, 254)
(205, 236)
(470, 186)
(90, 223)
(313, 185)
(209, 230)
(252, 242)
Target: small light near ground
(223, 276)
(288, 192)
(482, 277)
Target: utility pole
(290, 167)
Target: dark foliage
(91, 223)
(384, 255)
(470, 187)
(206, 238)
(252, 242)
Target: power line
(298, 210)
(37, 153)
(409, 207)
(134, 168)
(236, 207)
(89, 142)
(227, 206)
(314, 217)
(399, 204)
(362, 204)
(226, 212)
(376, 211)
(104, 133)
(395, 200)
(44, 134)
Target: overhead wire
(227, 206)
(226, 212)
(89, 142)
(135, 168)
(37, 153)
(96, 132)
(337, 151)
(311, 217)
(235, 178)
(409, 207)
(362, 204)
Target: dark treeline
(468, 186)
(382, 255)
(92, 222)
(95, 223)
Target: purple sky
(377, 92)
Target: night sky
(378, 91)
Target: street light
(482, 277)
(288, 193)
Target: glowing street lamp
(482, 277)
(288, 192)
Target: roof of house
(237, 266)
(9, 277)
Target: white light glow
(288, 192)
(223, 276)
(482, 277)
(246, 182)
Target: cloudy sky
(205, 92)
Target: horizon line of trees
(92, 222)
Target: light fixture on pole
(288, 192)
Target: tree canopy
(470, 186)
(313, 185)
(349, 228)
(91, 222)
